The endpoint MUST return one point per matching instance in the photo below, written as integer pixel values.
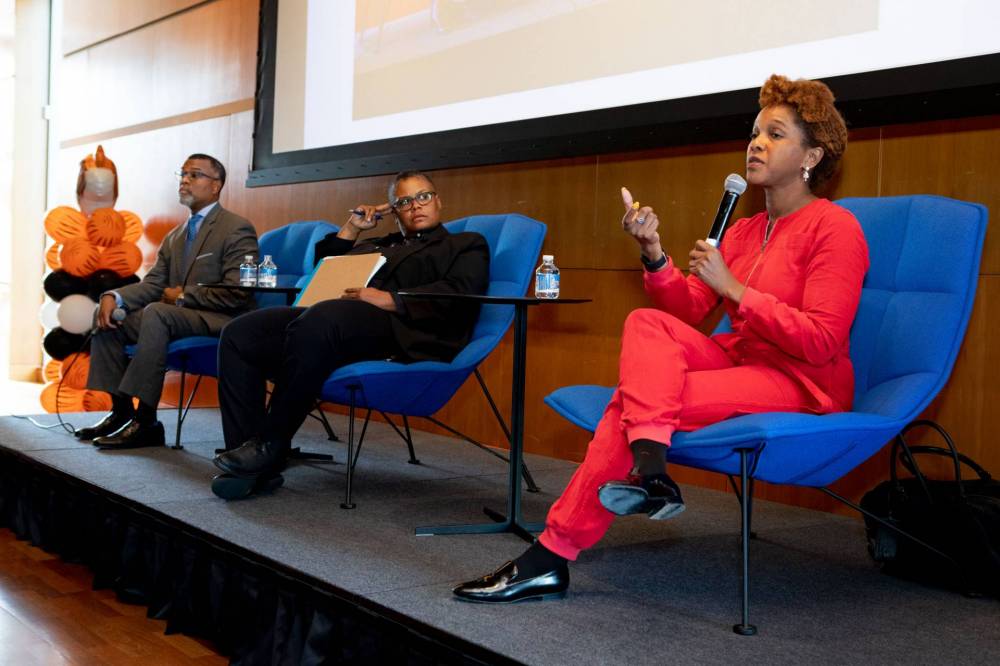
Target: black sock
(650, 457)
(537, 560)
(121, 405)
(145, 415)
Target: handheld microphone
(735, 186)
(118, 315)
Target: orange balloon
(52, 256)
(64, 223)
(52, 370)
(80, 257)
(123, 258)
(133, 226)
(96, 401)
(75, 368)
(158, 226)
(70, 399)
(106, 227)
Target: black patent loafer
(106, 426)
(505, 586)
(254, 458)
(132, 435)
(655, 495)
(229, 487)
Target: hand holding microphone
(734, 186)
(706, 261)
(109, 315)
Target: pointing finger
(627, 199)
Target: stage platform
(290, 577)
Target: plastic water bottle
(248, 272)
(267, 273)
(547, 278)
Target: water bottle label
(547, 282)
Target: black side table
(512, 521)
(289, 292)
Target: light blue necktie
(193, 225)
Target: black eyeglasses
(406, 203)
(193, 175)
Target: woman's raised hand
(641, 223)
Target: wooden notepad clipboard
(333, 275)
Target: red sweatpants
(671, 377)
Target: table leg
(511, 522)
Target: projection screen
(354, 87)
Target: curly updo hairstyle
(816, 115)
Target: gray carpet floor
(649, 593)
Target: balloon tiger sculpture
(94, 251)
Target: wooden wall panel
(953, 158)
(197, 59)
(578, 198)
(82, 26)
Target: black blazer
(440, 262)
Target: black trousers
(296, 348)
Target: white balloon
(76, 313)
(47, 314)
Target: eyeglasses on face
(193, 175)
(406, 203)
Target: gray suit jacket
(223, 239)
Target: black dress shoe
(109, 424)
(656, 495)
(505, 586)
(253, 459)
(132, 435)
(230, 487)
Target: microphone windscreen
(735, 184)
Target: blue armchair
(421, 389)
(915, 307)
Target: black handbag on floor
(959, 519)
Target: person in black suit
(297, 348)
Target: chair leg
(529, 481)
(744, 628)
(409, 442)
(180, 410)
(320, 416)
(894, 528)
(347, 503)
(739, 498)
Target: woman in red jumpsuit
(790, 280)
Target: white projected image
(350, 72)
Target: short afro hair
(816, 115)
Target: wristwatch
(653, 266)
(180, 301)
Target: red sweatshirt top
(802, 292)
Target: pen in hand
(361, 213)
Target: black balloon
(106, 280)
(59, 343)
(60, 284)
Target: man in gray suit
(166, 305)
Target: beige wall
(28, 181)
(163, 89)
